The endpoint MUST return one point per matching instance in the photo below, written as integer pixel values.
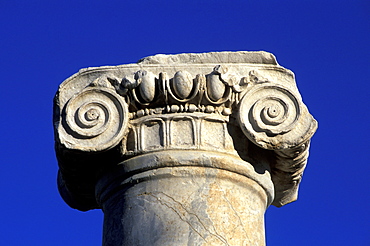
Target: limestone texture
(186, 149)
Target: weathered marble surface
(187, 204)
(185, 149)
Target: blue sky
(325, 43)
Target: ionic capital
(241, 104)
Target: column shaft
(186, 205)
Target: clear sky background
(325, 43)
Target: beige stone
(185, 149)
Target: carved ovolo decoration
(97, 117)
(143, 107)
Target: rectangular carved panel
(152, 134)
(182, 132)
(212, 133)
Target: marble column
(186, 149)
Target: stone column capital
(240, 104)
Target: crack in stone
(236, 213)
(173, 209)
(215, 234)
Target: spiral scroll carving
(95, 119)
(273, 118)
